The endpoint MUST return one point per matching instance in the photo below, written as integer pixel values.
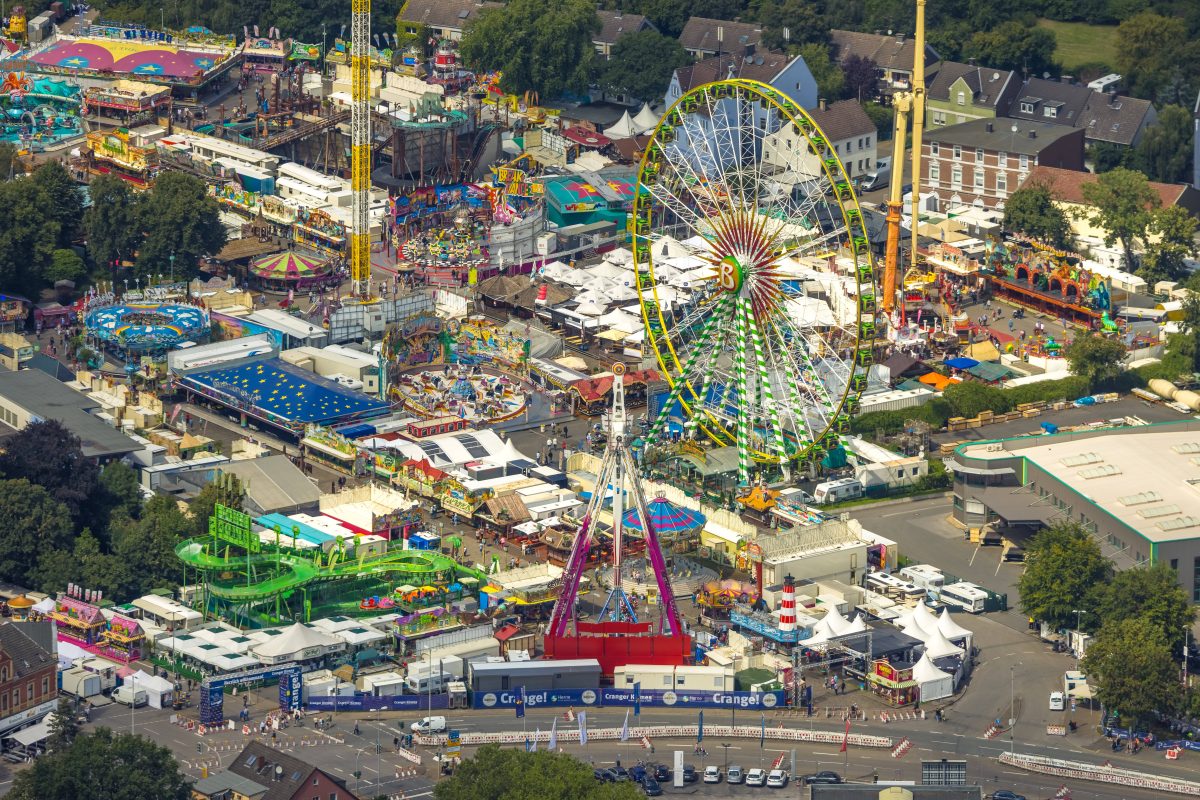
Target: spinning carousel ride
(460, 247)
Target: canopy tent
(289, 267)
(610, 271)
(589, 308)
(43, 606)
(951, 629)
(557, 271)
(160, 692)
(294, 644)
(938, 646)
(665, 517)
(913, 627)
(980, 351)
(622, 128)
(962, 362)
(622, 256)
(621, 320)
(620, 293)
(38, 732)
(857, 625)
(934, 683)
(68, 652)
(688, 263)
(645, 119)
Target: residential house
(1066, 187)
(979, 163)
(260, 772)
(787, 74)
(847, 128)
(963, 92)
(444, 19)
(614, 25)
(703, 37)
(893, 55)
(1103, 116)
(28, 674)
(1196, 143)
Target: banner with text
(359, 702)
(626, 697)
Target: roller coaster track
(299, 132)
(292, 572)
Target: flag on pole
(762, 734)
(583, 727)
(533, 745)
(625, 727)
(528, 744)
(637, 694)
(553, 736)
(846, 737)
(700, 728)
(521, 702)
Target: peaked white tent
(932, 682)
(913, 627)
(645, 119)
(622, 128)
(590, 308)
(160, 692)
(622, 321)
(556, 271)
(938, 646)
(610, 271)
(297, 643)
(858, 625)
(621, 256)
(951, 629)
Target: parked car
(689, 774)
(603, 775)
(824, 776)
(735, 775)
(621, 773)
(1006, 794)
(712, 774)
(651, 787)
(661, 773)
(756, 777)
(777, 779)
(638, 773)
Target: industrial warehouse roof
(48, 398)
(1148, 478)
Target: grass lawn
(1080, 43)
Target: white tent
(160, 692)
(951, 629)
(912, 626)
(622, 128)
(622, 321)
(932, 682)
(619, 293)
(557, 271)
(610, 271)
(297, 643)
(44, 606)
(572, 277)
(590, 308)
(837, 623)
(938, 646)
(645, 119)
(688, 263)
(621, 256)
(858, 625)
(68, 652)
(668, 247)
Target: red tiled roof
(1066, 185)
(506, 633)
(592, 389)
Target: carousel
(474, 393)
(146, 329)
(460, 247)
(282, 272)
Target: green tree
(828, 75)
(33, 522)
(63, 199)
(861, 76)
(1016, 46)
(1131, 669)
(1063, 566)
(1150, 47)
(1122, 204)
(111, 222)
(642, 64)
(968, 398)
(120, 483)
(801, 18)
(226, 489)
(64, 726)
(1097, 358)
(27, 236)
(1182, 356)
(180, 220)
(1031, 210)
(49, 455)
(65, 265)
(115, 766)
(86, 564)
(669, 16)
(882, 117)
(147, 546)
(1173, 240)
(1165, 150)
(541, 45)
(1152, 594)
(504, 774)
(10, 162)
(1106, 156)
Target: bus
(891, 586)
(928, 578)
(967, 596)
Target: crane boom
(360, 147)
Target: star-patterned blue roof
(289, 392)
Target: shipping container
(580, 673)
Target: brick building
(28, 672)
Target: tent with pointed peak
(645, 119)
(622, 128)
(938, 646)
(296, 644)
(951, 629)
(666, 517)
(934, 683)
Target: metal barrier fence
(1101, 773)
(667, 732)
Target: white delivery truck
(81, 683)
(128, 695)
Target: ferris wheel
(771, 351)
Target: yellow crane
(910, 103)
(360, 148)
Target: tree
(1063, 565)
(27, 236)
(1122, 202)
(65, 265)
(33, 522)
(1152, 594)
(801, 19)
(115, 766)
(1016, 46)
(968, 398)
(540, 45)
(1149, 48)
(1031, 210)
(883, 118)
(226, 489)
(669, 16)
(861, 76)
(1173, 230)
(496, 774)
(64, 200)
(1165, 150)
(1183, 349)
(64, 726)
(1097, 358)
(85, 564)
(147, 546)
(1106, 156)
(642, 64)
(827, 74)
(1131, 669)
(182, 224)
(111, 222)
(10, 162)
(124, 495)
(49, 455)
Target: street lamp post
(172, 266)
(1012, 706)
(429, 683)
(726, 746)
(1078, 614)
(132, 702)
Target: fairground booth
(290, 271)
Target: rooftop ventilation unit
(1082, 460)
(1141, 498)
(1103, 471)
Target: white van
(429, 725)
(128, 695)
(837, 491)
(1058, 701)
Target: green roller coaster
(252, 583)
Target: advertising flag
(700, 728)
(637, 699)
(536, 735)
(845, 737)
(583, 727)
(553, 736)
(521, 702)
(625, 727)
(762, 734)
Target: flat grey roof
(1001, 138)
(274, 482)
(48, 398)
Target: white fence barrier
(1103, 774)
(665, 732)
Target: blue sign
(363, 702)
(628, 697)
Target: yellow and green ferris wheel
(771, 352)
